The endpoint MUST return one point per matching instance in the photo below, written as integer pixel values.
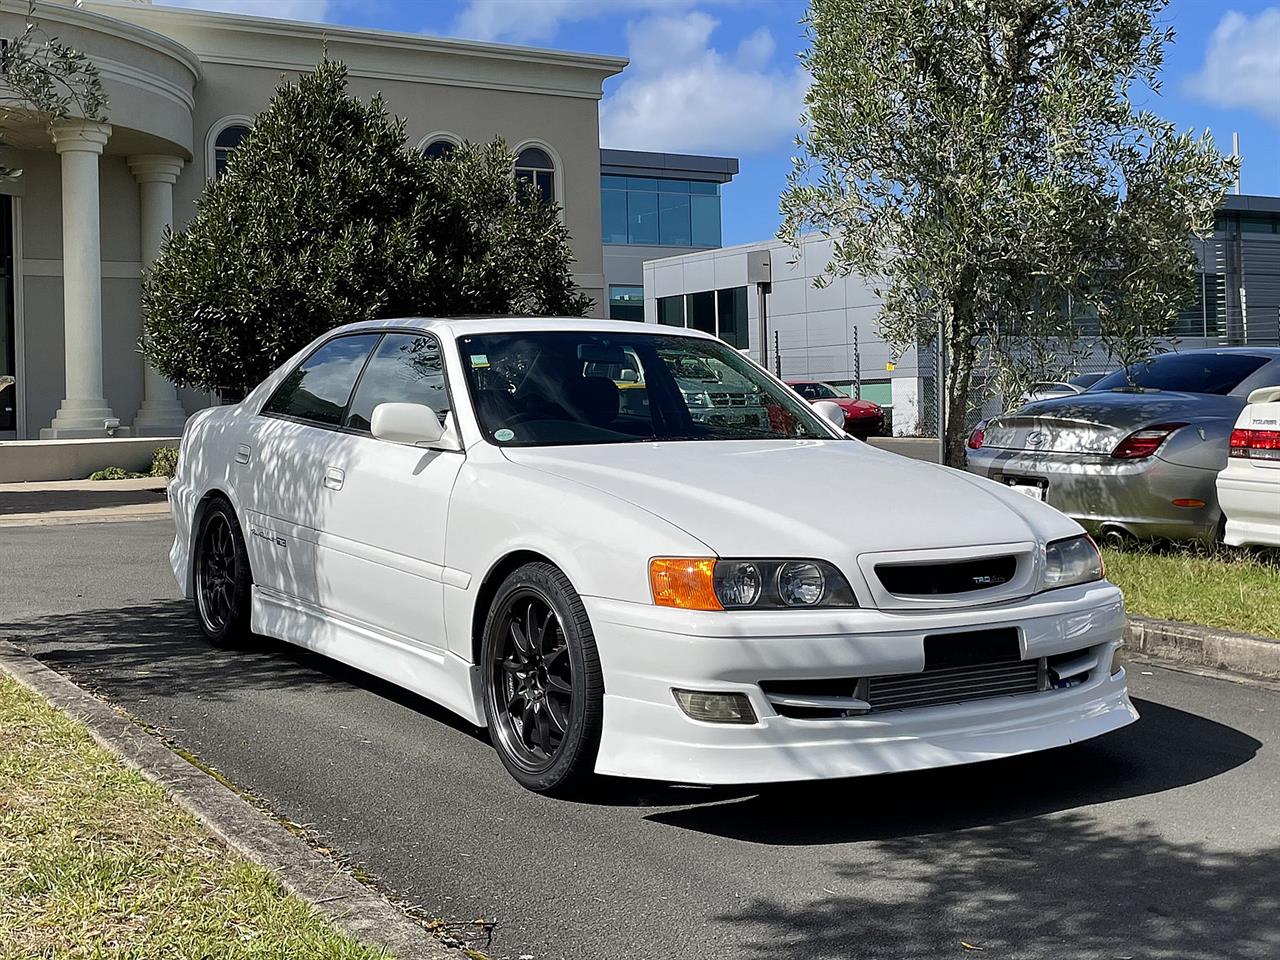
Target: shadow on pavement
(157, 648)
(1063, 886)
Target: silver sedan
(1137, 454)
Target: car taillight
(1255, 444)
(1143, 443)
(975, 438)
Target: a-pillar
(84, 411)
(161, 415)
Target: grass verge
(95, 861)
(1236, 590)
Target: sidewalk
(82, 501)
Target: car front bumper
(1099, 492)
(646, 651)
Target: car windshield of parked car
(818, 391)
(1215, 373)
(554, 387)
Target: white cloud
(310, 11)
(536, 21)
(1242, 64)
(682, 95)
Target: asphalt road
(1159, 841)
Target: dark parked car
(862, 418)
(1137, 454)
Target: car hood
(850, 405)
(829, 499)
(1095, 423)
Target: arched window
(225, 142)
(535, 166)
(439, 148)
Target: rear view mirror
(831, 412)
(601, 353)
(414, 424)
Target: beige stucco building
(78, 228)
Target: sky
(722, 76)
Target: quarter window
(534, 167)
(318, 390)
(406, 368)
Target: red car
(862, 418)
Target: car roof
(467, 326)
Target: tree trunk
(961, 356)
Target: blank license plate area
(946, 650)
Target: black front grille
(960, 576)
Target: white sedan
(477, 511)
(1249, 485)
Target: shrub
(115, 473)
(164, 462)
(324, 217)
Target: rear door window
(317, 391)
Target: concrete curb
(353, 907)
(1205, 646)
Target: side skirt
(441, 677)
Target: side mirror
(1264, 395)
(414, 424)
(630, 376)
(830, 411)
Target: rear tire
(221, 580)
(543, 688)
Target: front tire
(222, 581)
(543, 689)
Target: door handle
(333, 478)
(242, 453)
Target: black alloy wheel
(543, 688)
(222, 579)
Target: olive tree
(982, 161)
(42, 81)
(324, 216)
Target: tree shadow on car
(1137, 760)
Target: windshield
(818, 391)
(1216, 373)
(533, 389)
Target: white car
(1249, 486)
(467, 509)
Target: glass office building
(655, 205)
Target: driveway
(1159, 841)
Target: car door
(280, 469)
(380, 560)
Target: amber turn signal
(687, 583)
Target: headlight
(709, 583)
(801, 584)
(696, 400)
(1072, 561)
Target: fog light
(716, 707)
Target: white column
(84, 411)
(160, 414)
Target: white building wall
(823, 332)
